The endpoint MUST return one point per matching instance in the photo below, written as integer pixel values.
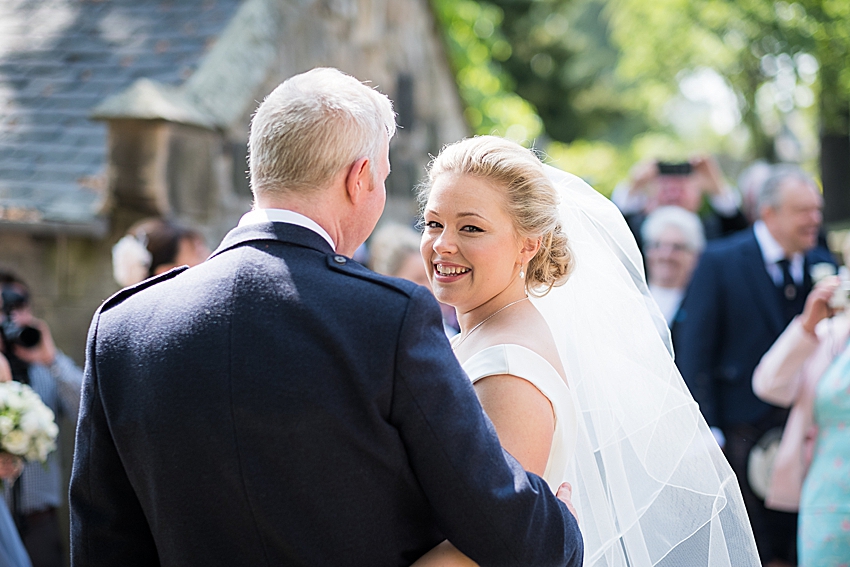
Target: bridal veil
(650, 484)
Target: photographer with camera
(35, 360)
(687, 185)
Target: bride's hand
(564, 494)
(5, 371)
(11, 467)
(444, 555)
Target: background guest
(394, 251)
(653, 184)
(744, 292)
(673, 240)
(808, 369)
(153, 246)
(750, 182)
(38, 493)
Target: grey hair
(312, 126)
(771, 194)
(752, 178)
(391, 245)
(685, 221)
(532, 200)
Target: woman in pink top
(808, 369)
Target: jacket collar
(276, 231)
(762, 287)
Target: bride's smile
(473, 253)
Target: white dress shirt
(258, 216)
(668, 300)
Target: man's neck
(768, 243)
(319, 210)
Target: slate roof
(59, 59)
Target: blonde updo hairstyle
(532, 200)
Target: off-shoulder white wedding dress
(651, 487)
(524, 363)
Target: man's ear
(767, 213)
(358, 179)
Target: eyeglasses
(670, 246)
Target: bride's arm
(525, 422)
(523, 418)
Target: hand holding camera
(22, 334)
(708, 174)
(819, 303)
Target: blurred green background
(600, 84)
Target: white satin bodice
(524, 363)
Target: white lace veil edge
(650, 484)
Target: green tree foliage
(770, 52)
(476, 49)
(563, 63)
(602, 76)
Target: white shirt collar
(258, 216)
(668, 300)
(772, 252)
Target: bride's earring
(521, 273)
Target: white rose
(7, 424)
(44, 447)
(32, 454)
(16, 442)
(49, 429)
(46, 416)
(821, 270)
(14, 402)
(30, 423)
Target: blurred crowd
(743, 277)
(750, 292)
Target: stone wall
(198, 174)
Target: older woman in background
(808, 369)
(394, 251)
(673, 240)
(154, 246)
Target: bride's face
(471, 248)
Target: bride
(571, 359)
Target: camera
(669, 168)
(12, 333)
(841, 297)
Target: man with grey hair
(744, 292)
(280, 404)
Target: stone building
(114, 110)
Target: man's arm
(108, 526)
(484, 502)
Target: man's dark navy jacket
(282, 405)
(731, 314)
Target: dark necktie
(789, 287)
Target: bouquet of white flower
(27, 426)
